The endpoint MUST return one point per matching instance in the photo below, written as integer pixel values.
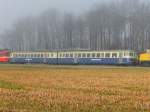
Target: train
(104, 57)
(84, 57)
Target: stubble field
(43, 88)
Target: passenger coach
(33, 57)
(111, 57)
(117, 57)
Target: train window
(71, 55)
(32, 55)
(67, 55)
(52, 55)
(93, 55)
(79, 55)
(120, 55)
(63, 55)
(20, 55)
(83, 55)
(98, 55)
(114, 55)
(47, 55)
(60, 55)
(42, 55)
(107, 55)
(27, 55)
(131, 54)
(39, 56)
(102, 55)
(88, 55)
(126, 53)
(13, 55)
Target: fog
(90, 25)
(11, 10)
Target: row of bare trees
(120, 24)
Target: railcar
(144, 58)
(33, 57)
(111, 57)
(4, 56)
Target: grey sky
(10, 10)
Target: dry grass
(32, 88)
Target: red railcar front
(4, 56)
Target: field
(43, 88)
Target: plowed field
(43, 88)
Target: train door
(75, 58)
(120, 61)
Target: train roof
(97, 51)
(74, 51)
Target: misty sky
(11, 10)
